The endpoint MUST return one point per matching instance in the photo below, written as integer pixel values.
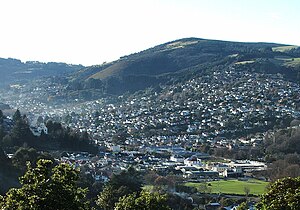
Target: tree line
(58, 137)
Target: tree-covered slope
(13, 70)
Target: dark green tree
(1, 117)
(21, 133)
(2, 132)
(125, 183)
(40, 120)
(46, 188)
(243, 206)
(23, 155)
(3, 157)
(108, 197)
(17, 116)
(7, 141)
(284, 194)
(145, 201)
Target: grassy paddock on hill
(294, 62)
(284, 48)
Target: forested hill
(13, 70)
(186, 58)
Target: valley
(202, 110)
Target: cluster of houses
(192, 166)
(227, 109)
(162, 131)
(226, 104)
(231, 109)
(193, 112)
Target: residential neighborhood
(222, 113)
(204, 130)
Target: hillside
(13, 70)
(230, 100)
(188, 57)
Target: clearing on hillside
(284, 48)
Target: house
(115, 148)
(37, 131)
(212, 206)
(177, 158)
(232, 172)
(220, 168)
(193, 161)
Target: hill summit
(185, 58)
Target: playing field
(256, 187)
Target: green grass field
(256, 187)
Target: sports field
(255, 187)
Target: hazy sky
(93, 31)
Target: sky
(91, 32)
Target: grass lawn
(256, 187)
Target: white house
(177, 158)
(37, 131)
(193, 161)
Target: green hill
(185, 58)
(15, 71)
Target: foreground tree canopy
(48, 188)
(145, 201)
(284, 194)
(125, 183)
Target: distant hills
(167, 63)
(186, 58)
(13, 70)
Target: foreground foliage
(125, 183)
(284, 194)
(48, 188)
(145, 200)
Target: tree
(284, 194)
(125, 183)
(40, 120)
(3, 157)
(247, 191)
(129, 179)
(243, 206)
(17, 116)
(108, 197)
(1, 117)
(23, 155)
(2, 132)
(7, 141)
(150, 177)
(145, 201)
(48, 188)
(21, 133)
